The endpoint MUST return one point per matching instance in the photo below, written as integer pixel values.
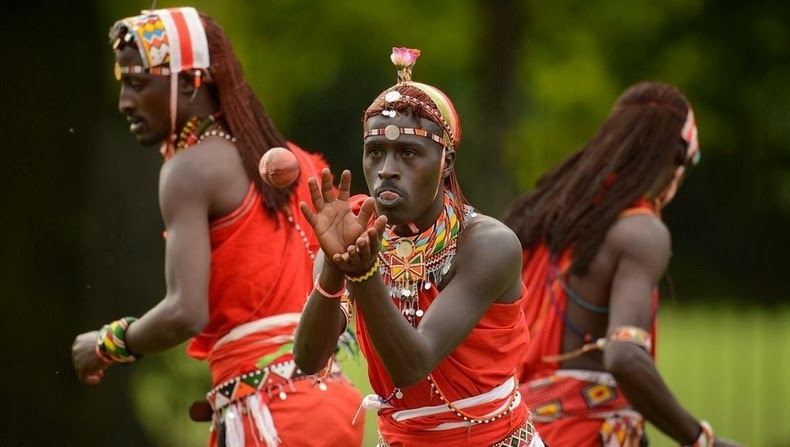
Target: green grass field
(725, 364)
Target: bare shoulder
(490, 242)
(640, 237)
(202, 173)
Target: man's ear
(449, 162)
(186, 84)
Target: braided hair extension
(575, 203)
(428, 110)
(244, 114)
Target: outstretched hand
(337, 228)
(88, 366)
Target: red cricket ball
(279, 167)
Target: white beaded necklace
(300, 231)
(217, 133)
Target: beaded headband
(392, 132)
(689, 135)
(443, 114)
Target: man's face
(403, 174)
(144, 99)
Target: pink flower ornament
(404, 59)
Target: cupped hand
(334, 223)
(360, 256)
(88, 366)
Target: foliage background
(531, 79)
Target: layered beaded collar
(193, 132)
(411, 263)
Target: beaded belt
(274, 376)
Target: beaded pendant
(411, 263)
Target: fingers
(308, 214)
(379, 225)
(367, 209)
(315, 194)
(327, 192)
(344, 188)
(361, 255)
(94, 378)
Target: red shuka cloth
(486, 359)
(546, 328)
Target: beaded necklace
(299, 229)
(192, 132)
(410, 263)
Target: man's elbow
(188, 323)
(625, 359)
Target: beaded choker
(411, 263)
(193, 132)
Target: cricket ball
(279, 167)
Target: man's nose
(125, 103)
(389, 169)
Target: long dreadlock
(244, 114)
(574, 204)
(430, 111)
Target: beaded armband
(367, 275)
(632, 334)
(111, 342)
(705, 437)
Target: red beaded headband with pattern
(392, 132)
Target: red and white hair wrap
(188, 48)
(689, 135)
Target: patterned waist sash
(270, 379)
(507, 393)
(592, 394)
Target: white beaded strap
(705, 437)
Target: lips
(135, 125)
(387, 196)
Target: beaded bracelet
(111, 342)
(705, 437)
(367, 275)
(324, 293)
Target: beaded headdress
(440, 109)
(169, 41)
(165, 38)
(431, 103)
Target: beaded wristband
(111, 342)
(324, 293)
(705, 437)
(367, 275)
